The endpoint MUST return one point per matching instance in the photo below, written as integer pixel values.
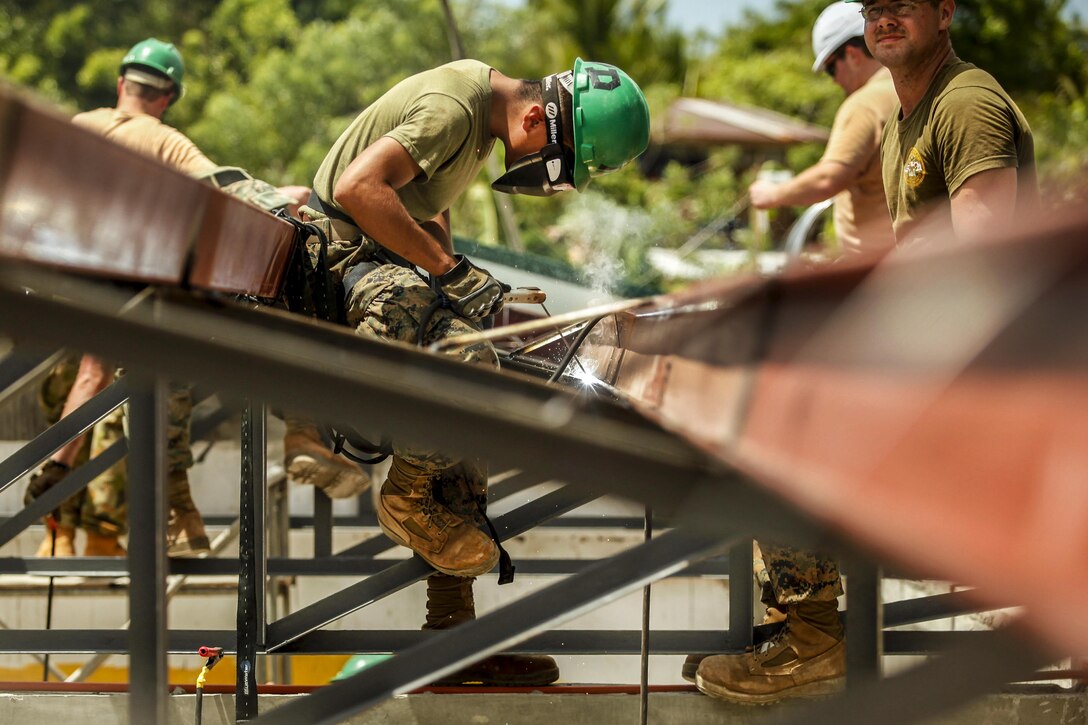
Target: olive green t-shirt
(440, 117)
(965, 124)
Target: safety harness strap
(382, 254)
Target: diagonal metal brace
(74, 482)
(408, 572)
(978, 665)
(19, 369)
(26, 458)
(446, 652)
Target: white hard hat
(838, 23)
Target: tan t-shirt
(861, 210)
(149, 136)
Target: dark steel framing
(606, 450)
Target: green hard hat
(158, 56)
(611, 120)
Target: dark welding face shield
(550, 170)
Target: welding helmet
(610, 126)
(156, 64)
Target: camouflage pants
(796, 575)
(102, 507)
(389, 303)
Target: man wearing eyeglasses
(807, 656)
(959, 155)
(849, 170)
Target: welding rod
(544, 322)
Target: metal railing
(335, 374)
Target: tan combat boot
(449, 603)
(185, 535)
(309, 461)
(58, 541)
(410, 516)
(802, 660)
(99, 545)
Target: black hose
(199, 704)
(644, 661)
(439, 302)
(49, 599)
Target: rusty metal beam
(931, 406)
(73, 200)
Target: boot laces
(773, 641)
(435, 516)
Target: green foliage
(1040, 58)
(629, 33)
(1025, 44)
(1060, 126)
(46, 44)
(271, 83)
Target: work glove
(472, 292)
(48, 476)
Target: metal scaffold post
(251, 561)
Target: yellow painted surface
(308, 670)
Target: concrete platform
(546, 707)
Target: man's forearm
(92, 378)
(379, 212)
(814, 184)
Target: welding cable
(440, 301)
(565, 362)
(51, 525)
(562, 337)
(214, 654)
(200, 694)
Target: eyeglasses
(832, 62)
(900, 9)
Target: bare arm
(984, 204)
(367, 191)
(439, 228)
(816, 183)
(92, 378)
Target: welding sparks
(585, 377)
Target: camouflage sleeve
(238, 183)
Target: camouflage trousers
(102, 507)
(389, 303)
(791, 575)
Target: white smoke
(603, 238)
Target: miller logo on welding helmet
(610, 126)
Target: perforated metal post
(251, 561)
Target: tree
(63, 50)
(1026, 44)
(632, 34)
